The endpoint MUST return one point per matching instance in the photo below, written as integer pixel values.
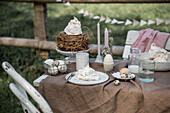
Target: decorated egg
(124, 75)
(62, 68)
(56, 63)
(61, 62)
(49, 62)
(53, 70)
(124, 70)
(116, 82)
(130, 75)
(67, 62)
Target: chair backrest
(132, 35)
(130, 39)
(23, 100)
(20, 89)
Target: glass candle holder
(146, 70)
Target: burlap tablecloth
(129, 97)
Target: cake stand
(70, 55)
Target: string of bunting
(107, 20)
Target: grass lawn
(16, 20)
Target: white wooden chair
(20, 87)
(132, 35)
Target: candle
(133, 68)
(106, 33)
(98, 38)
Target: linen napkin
(149, 36)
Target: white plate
(117, 76)
(103, 77)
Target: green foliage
(16, 20)
(27, 64)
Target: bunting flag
(128, 22)
(102, 18)
(135, 22)
(86, 13)
(68, 4)
(159, 21)
(91, 15)
(120, 22)
(115, 21)
(142, 22)
(81, 11)
(167, 21)
(108, 20)
(96, 17)
(150, 22)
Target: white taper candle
(98, 38)
(106, 37)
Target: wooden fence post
(40, 26)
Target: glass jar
(133, 58)
(146, 70)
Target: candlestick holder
(99, 59)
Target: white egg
(49, 62)
(108, 63)
(108, 59)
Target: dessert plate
(117, 76)
(103, 77)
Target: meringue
(73, 27)
(157, 54)
(88, 74)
